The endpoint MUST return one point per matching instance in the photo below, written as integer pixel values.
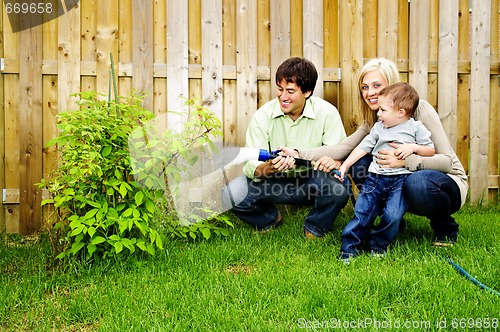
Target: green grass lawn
(263, 282)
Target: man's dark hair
(299, 71)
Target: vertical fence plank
(177, 60)
(194, 51)
(462, 144)
(229, 37)
(264, 87)
(159, 56)
(88, 30)
(387, 42)
(331, 48)
(280, 35)
(479, 99)
(403, 32)
(419, 46)
(494, 120)
(88, 48)
(30, 133)
(50, 110)
(246, 67)
(12, 147)
(211, 76)
(231, 106)
(68, 58)
(433, 44)
(3, 227)
(313, 39)
(370, 28)
(11, 133)
(50, 87)
(124, 61)
(351, 55)
(296, 30)
(142, 51)
(448, 67)
(211, 60)
(106, 43)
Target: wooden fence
(225, 53)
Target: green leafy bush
(96, 206)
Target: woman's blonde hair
(389, 72)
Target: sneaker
(346, 257)
(276, 224)
(378, 253)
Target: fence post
(30, 130)
(479, 100)
(419, 46)
(3, 225)
(448, 68)
(351, 55)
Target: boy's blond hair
(403, 96)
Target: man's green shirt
(320, 124)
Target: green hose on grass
(471, 278)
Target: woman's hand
(288, 151)
(326, 164)
(404, 150)
(387, 159)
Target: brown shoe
(310, 236)
(441, 241)
(443, 244)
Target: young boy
(381, 193)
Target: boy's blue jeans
(380, 195)
(428, 193)
(254, 202)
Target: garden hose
(471, 278)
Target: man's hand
(278, 164)
(283, 163)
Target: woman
(438, 189)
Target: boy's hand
(341, 172)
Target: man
(296, 119)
